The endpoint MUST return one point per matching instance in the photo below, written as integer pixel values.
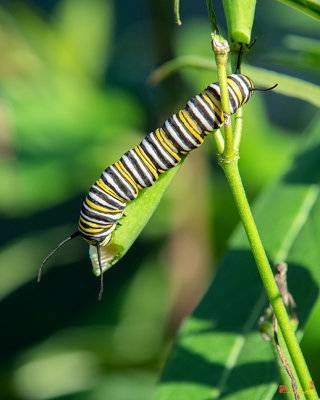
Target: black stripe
(157, 166)
(180, 134)
(243, 94)
(121, 185)
(112, 203)
(203, 112)
(97, 216)
(139, 170)
(234, 105)
(216, 121)
(173, 162)
(213, 93)
(186, 127)
(97, 236)
(102, 226)
(172, 140)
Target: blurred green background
(74, 96)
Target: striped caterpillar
(141, 166)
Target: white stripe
(175, 136)
(173, 162)
(132, 170)
(188, 135)
(101, 234)
(166, 136)
(114, 185)
(161, 150)
(244, 83)
(198, 129)
(121, 204)
(124, 180)
(97, 199)
(100, 223)
(240, 83)
(234, 96)
(113, 216)
(200, 116)
(150, 150)
(211, 113)
(152, 178)
(216, 88)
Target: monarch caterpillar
(159, 151)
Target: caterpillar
(141, 166)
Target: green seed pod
(239, 15)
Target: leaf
(219, 352)
(302, 43)
(137, 214)
(87, 29)
(309, 7)
(287, 85)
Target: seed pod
(239, 15)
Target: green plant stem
(221, 50)
(212, 18)
(219, 140)
(228, 153)
(238, 129)
(282, 370)
(232, 173)
(176, 10)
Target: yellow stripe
(165, 144)
(171, 145)
(126, 174)
(100, 208)
(236, 89)
(190, 125)
(93, 225)
(106, 240)
(108, 190)
(145, 159)
(216, 104)
(91, 230)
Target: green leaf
(137, 214)
(309, 7)
(287, 85)
(219, 352)
(302, 43)
(86, 28)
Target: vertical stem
(176, 9)
(229, 163)
(232, 173)
(212, 18)
(218, 140)
(238, 129)
(228, 153)
(221, 50)
(282, 370)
